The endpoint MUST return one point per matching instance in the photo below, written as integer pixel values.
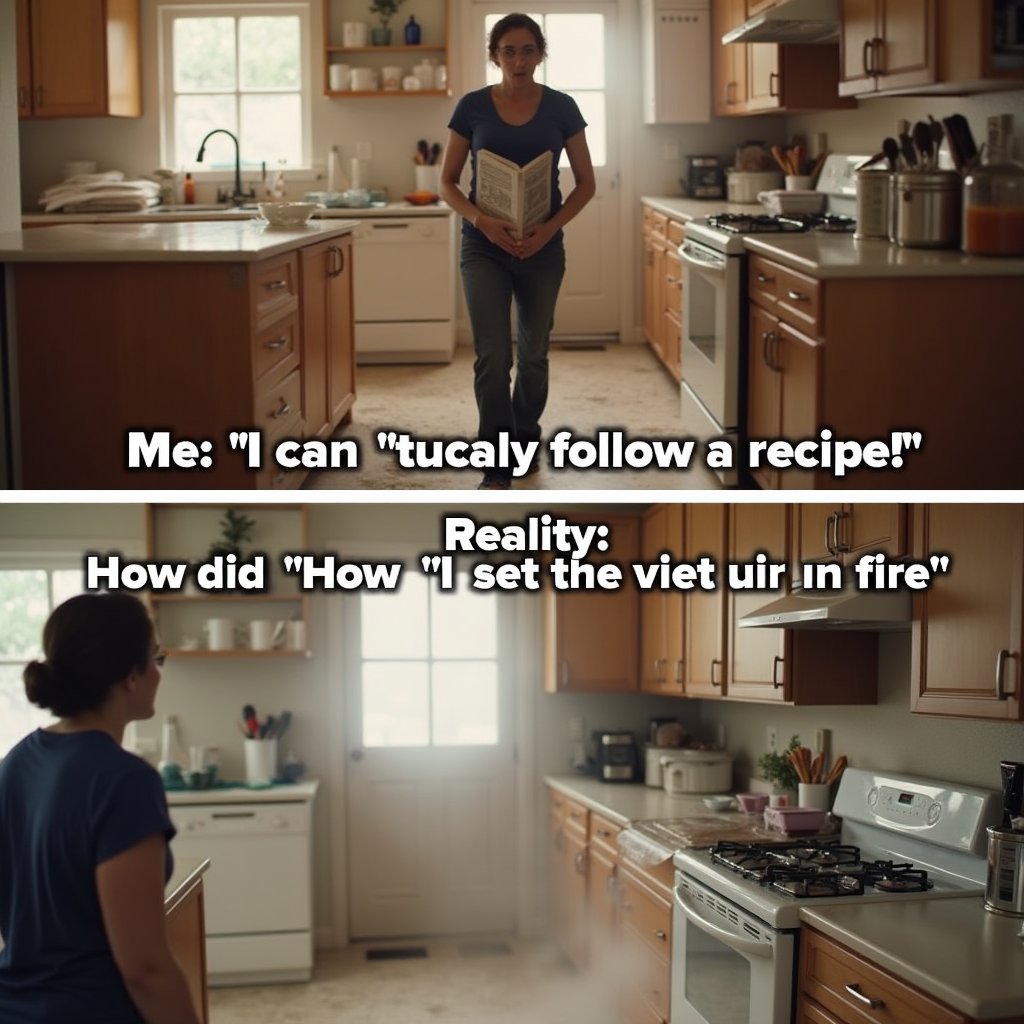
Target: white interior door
(431, 763)
(580, 38)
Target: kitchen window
(429, 661)
(242, 67)
(30, 589)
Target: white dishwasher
(404, 288)
(258, 891)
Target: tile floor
(529, 984)
(612, 387)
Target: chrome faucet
(238, 196)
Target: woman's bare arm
(500, 232)
(131, 892)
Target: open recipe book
(519, 194)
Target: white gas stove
(737, 906)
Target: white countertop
(299, 792)
(625, 802)
(953, 949)
(686, 209)
(824, 255)
(174, 242)
(156, 216)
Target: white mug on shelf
(353, 33)
(340, 76)
(220, 634)
(296, 635)
(411, 83)
(391, 78)
(364, 79)
(261, 635)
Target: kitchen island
(186, 927)
(183, 333)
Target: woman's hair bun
(39, 683)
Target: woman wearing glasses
(84, 833)
(518, 119)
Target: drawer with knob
(279, 409)
(274, 289)
(276, 348)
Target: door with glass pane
(580, 37)
(430, 771)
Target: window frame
(167, 14)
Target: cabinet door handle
(776, 681)
(336, 252)
(282, 410)
(659, 934)
(828, 533)
(873, 1004)
(865, 52)
(764, 279)
(276, 343)
(840, 546)
(773, 84)
(714, 662)
(274, 286)
(796, 296)
(1001, 659)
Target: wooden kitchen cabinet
(704, 610)
(186, 937)
(603, 890)
(796, 666)
(328, 357)
(921, 46)
(186, 533)
(837, 984)
(754, 78)
(646, 938)
(201, 349)
(676, 62)
(568, 823)
(591, 637)
(78, 58)
(661, 611)
(967, 632)
(846, 531)
(435, 44)
(663, 288)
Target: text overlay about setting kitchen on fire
(607, 450)
(539, 551)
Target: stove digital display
(906, 799)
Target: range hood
(791, 21)
(830, 609)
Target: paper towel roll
(332, 170)
(357, 172)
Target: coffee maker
(1004, 890)
(615, 758)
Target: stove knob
(872, 796)
(934, 811)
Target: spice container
(874, 189)
(926, 209)
(993, 220)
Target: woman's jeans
(491, 278)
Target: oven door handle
(705, 263)
(744, 946)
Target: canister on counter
(926, 209)
(874, 188)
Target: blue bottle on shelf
(412, 32)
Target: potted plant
(235, 530)
(776, 768)
(385, 11)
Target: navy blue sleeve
(133, 808)
(461, 122)
(573, 120)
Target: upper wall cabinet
(78, 58)
(968, 627)
(348, 45)
(676, 62)
(755, 78)
(928, 46)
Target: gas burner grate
(753, 224)
(828, 222)
(754, 860)
(811, 884)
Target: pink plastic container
(794, 820)
(752, 803)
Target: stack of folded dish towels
(104, 192)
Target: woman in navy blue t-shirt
(84, 829)
(518, 119)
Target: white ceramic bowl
(287, 215)
(719, 803)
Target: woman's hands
(535, 239)
(499, 232)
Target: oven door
(712, 290)
(727, 966)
